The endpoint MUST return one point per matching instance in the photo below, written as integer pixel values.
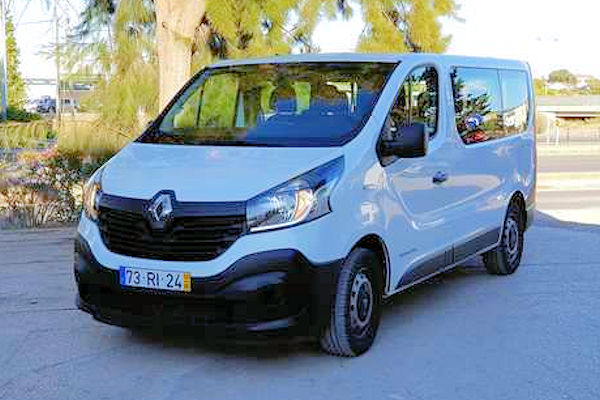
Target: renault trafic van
(294, 194)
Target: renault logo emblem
(160, 210)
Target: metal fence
(560, 135)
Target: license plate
(155, 279)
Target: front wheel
(355, 312)
(506, 258)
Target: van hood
(207, 173)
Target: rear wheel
(506, 258)
(355, 312)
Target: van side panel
(424, 238)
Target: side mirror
(409, 142)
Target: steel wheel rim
(512, 240)
(361, 302)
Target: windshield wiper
(244, 143)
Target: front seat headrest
(283, 100)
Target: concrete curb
(569, 176)
(552, 150)
(568, 181)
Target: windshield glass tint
(308, 104)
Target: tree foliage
(563, 76)
(539, 86)
(114, 43)
(115, 39)
(252, 28)
(120, 45)
(594, 86)
(240, 28)
(405, 25)
(17, 94)
(97, 14)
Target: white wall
(37, 91)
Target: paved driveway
(465, 335)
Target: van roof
(383, 58)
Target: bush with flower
(44, 188)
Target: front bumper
(267, 292)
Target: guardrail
(560, 135)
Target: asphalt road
(568, 200)
(569, 163)
(464, 335)
(564, 193)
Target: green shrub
(44, 186)
(46, 190)
(20, 115)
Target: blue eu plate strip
(122, 275)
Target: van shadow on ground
(546, 220)
(439, 292)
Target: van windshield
(295, 105)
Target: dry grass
(80, 135)
(14, 135)
(89, 139)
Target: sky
(549, 34)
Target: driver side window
(417, 101)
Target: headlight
(299, 200)
(91, 195)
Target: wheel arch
(376, 244)
(519, 199)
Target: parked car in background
(31, 106)
(294, 194)
(47, 105)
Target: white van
(294, 194)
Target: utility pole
(57, 61)
(3, 62)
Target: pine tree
(168, 40)
(243, 28)
(405, 25)
(195, 32)
(114, 43)
(17, 94)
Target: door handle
(440, 177)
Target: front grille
(188, 238)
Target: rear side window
(478, 104)
(515, 97)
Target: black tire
(356, 309)
(506, 258)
